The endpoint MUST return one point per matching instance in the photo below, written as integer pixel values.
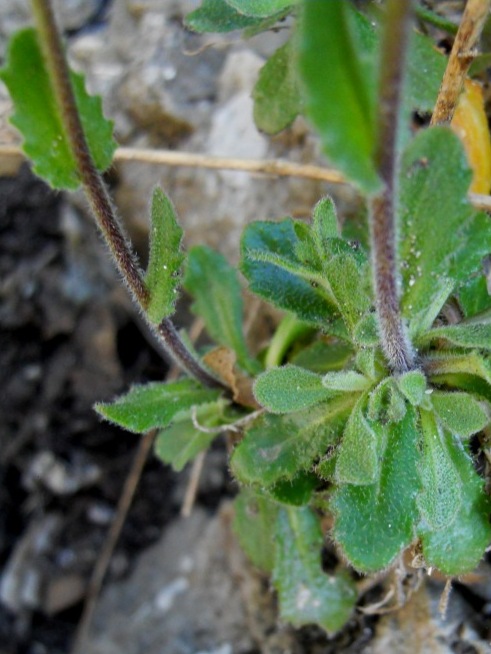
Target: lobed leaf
(154, 405)
(306, 594)
(217, 294)
(279, 447)
(163, 273)
(460, 413)
(38, 116)
(254, 525)
(182, 441)
(458, 548)
(374, 523)
(277, 100)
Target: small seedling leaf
(155, 404)
(38, 116)
(215, 288)
(460, 413)
(289, 389)
(163, 273)
(307, 595)
(254, 524)
(374, 523)
(413, 386)
(276, 96)
(348, 381)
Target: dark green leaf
(425, 68)
(442, 237)
(458, 548)
(279, 447)
(254, 524)
(217, 16)
(296, 491)
(275, 273)
(182, 441)
(460, 413)
(375, 523)
(474, 296)
(322, 357)
(38, 117)
(165, 259)
(155, 404)
(358, 454)
(217, 295)
(386, 403)
(260, 8)
(306, 594)
(441, 494)
(336, 65)
(276, 96)
(289, 389)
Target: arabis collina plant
(366, 419)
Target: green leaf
(254, 524)
(260, 8)
(336, 47)
(155, 404)
(413, 386)
(322, 357)
(473, 335)
(277, 100)
(217, 16)
(458, 548)
(442, 238)
(290, 388)
(295, 492)
(474, 297)
(182, 441)
(279, 447)
(306, 594)
(349, 281)
(425, 69)
(386, 403)
(466, 371)
(163, 273)
(38, 117)
(217, 294)
(358, 454)
(460, 413)
(374, 523)
(325, 222)
(349, 381)
(274, 273)
(441, 494)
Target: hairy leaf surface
(460, 413)
(254, 524)
(289, 389)
(218, 16)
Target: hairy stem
(97, 194)
(460, 59)
(395, 342)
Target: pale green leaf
(325, 222)
(473, 335)
(348, 381)
(373, 524)
(306, 594)
(155, 404)
(276, 96)
(260, 8)
(279, 447)
(163, 273)
(413, 386)
(460, 413)
(182, 440)
(217, 16)
(38, 117)
(217, 294)
(290, 388)
(322, 357)
(254, 524)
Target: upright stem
(395, 342)
(97, 195)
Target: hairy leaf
(474, 297)
(322, 357)
(217, 295)
(289, 389)
(439, 228)
(276, 96)
(460, 413)
(38, 116)
(413, 386)
(307, 595)
(474, 335)
(260, 8)
(339, 85)
(386, 403)
(358, 454)
(295, 492)
(458, 548)
(155, 404)
(349, 381)
(279, 447)
(254, 524)
(218, 16)
(374, 523)
(182, 441)
(325, 221)
(165, 259)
